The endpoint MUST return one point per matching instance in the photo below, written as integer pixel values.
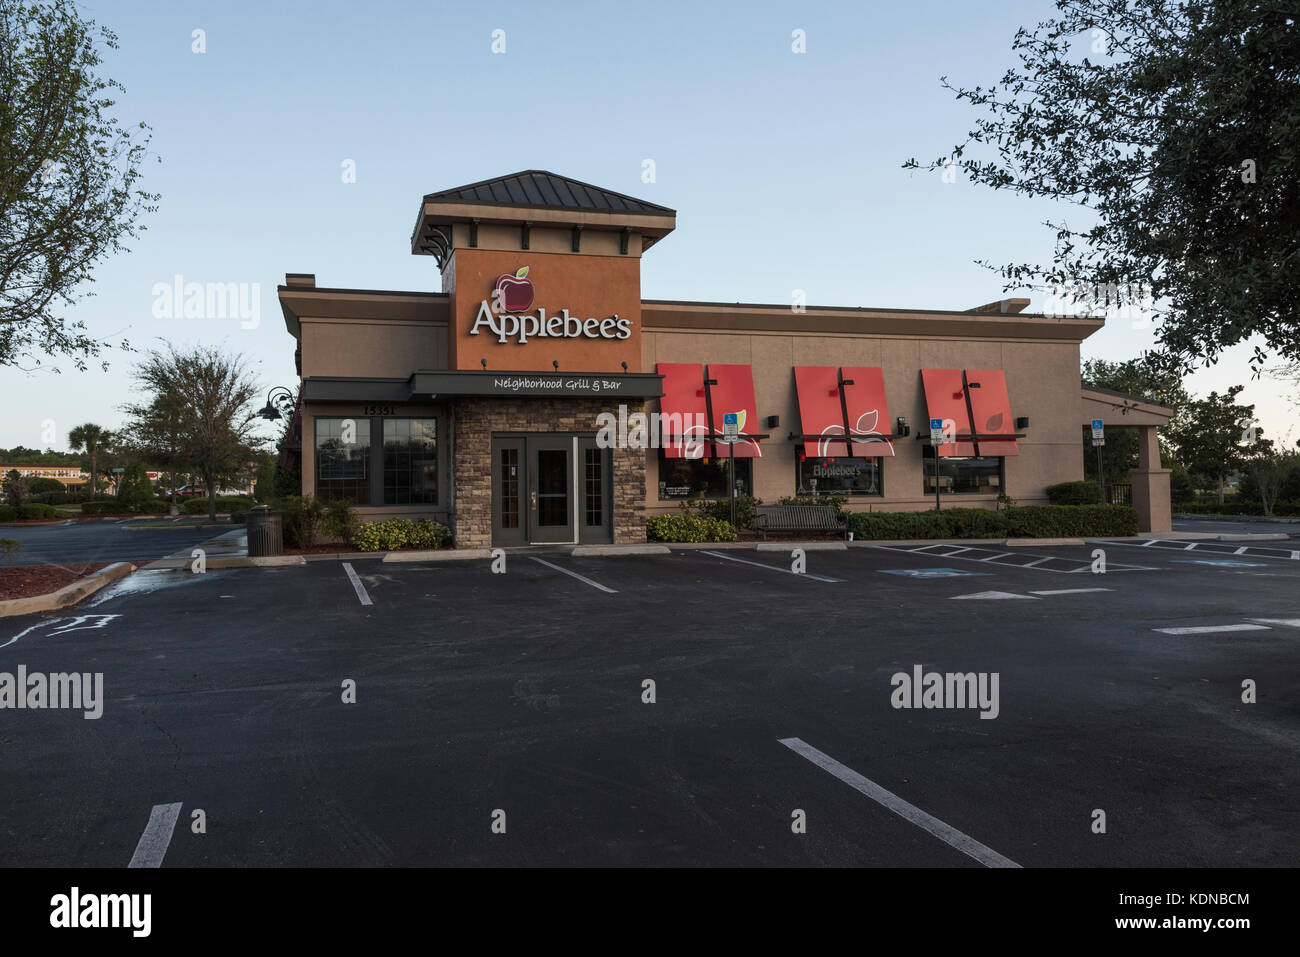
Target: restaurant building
(516, 405)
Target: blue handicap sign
(932, 572)
(729, 418)
(1097, 424)
(936, 425)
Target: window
(343, 460)
(964, 474)
(410, 461)
(595, 488)
(702, 478)
(838, 476)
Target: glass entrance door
(550, 494)
(550, 489)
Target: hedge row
(1074, 493)
(28, 512)
(688, 528)
(199, 506)
(111, 506)
(1027, 521)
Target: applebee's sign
(506, 316)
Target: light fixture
(483, 363)
(901, 426)
(1022, 422)
(555, 364)
(624, 365)
(277, 402)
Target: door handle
(532, 498)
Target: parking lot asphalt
(109, 540)
(520, 699)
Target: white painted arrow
(1067, 591)
(993, 594)
(1289, 622)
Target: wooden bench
(799, 518)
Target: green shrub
(153, 507)
(1075, 493)
(239, 518)
(301, 518)
(59, 498)
(688, 528)
(135, 489)
(199, 506)
(101, 507)
(9, 547)
(839, 501)
(35, 510)
(8, 513)
(341, 520)
(1057, 521)
(398, 533)
(720, 509)
(1033, 521)
(43, 486)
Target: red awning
(820, 413)
(734, 392)
(864, 399)
(683, 413)
(945, 398)
(991, 411)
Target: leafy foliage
(1171, 125)
(69, 183)
(686, 527)
(398, 533)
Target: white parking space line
(157, 836)
(994, 558)
(908, 812)
(1037, 561)
(1210, 629)
(773, 568)
(360, 589)
(1068, 591)
(581, 578)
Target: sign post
(730, 433)
(936, 440)
(1099, 440)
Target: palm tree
(90, 438)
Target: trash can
(265, 532)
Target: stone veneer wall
(476, 419)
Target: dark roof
(537, 188)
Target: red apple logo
(515, 293)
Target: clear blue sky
(756, 147)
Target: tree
(212, 398)
(16, 491)
(92, 439)
(69, 194)
(154, 430)
(1218, 436)
(1271, 472)
(1177, 137)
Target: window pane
(839, 476)
(343, 460)
(509, 488)
(410, 461)
(595, 489)
(964, 475)
(702, 478)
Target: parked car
(188, 491)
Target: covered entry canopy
(1150, 482)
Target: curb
(1036, 542)
(229, 561)
(613, 551)
(438, 555)
(68, 594)
(1235, 518)
(806, 546)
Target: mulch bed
(26, 581)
